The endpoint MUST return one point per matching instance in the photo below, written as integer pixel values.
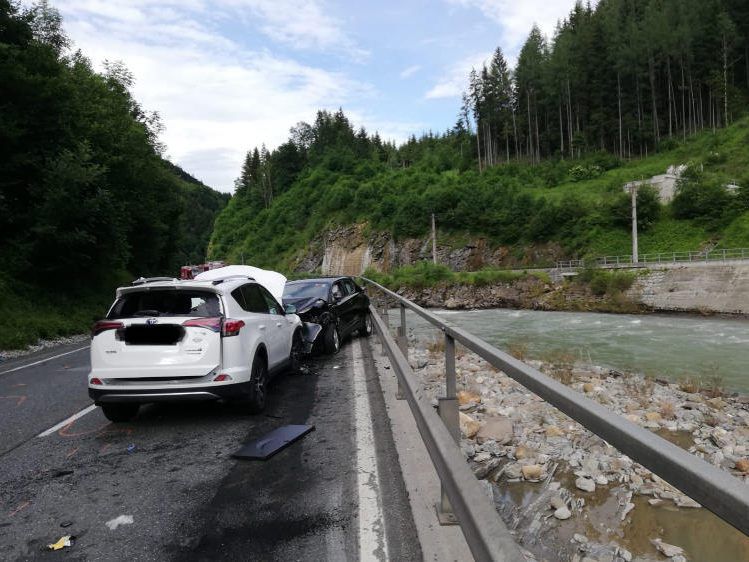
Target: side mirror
(289, 309)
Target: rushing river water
(669, 346)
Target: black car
(338, 304)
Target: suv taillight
(103, 326)
(232, 327)
(213, 324)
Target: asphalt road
(337, 494)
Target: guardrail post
(448, 412)
(384, 314)
(403, 345)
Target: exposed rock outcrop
(349, 250)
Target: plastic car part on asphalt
(62, 542)
(273, 442)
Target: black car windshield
(166, 303)
(316, 290)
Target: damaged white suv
(222, 335)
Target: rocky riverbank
(529, 292)
(41, 345)
(569, 495)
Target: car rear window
(166, 303)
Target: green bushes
(426, 274)
(648, 208)
(606, 282)
(30, 314)
(700, 198)
(579, 172)
(418, 276)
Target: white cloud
(301, 24)
(517, 17)
(216, 99)
(410, 71)
(455, 80)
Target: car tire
(295, 355)
(331, 339)
(258, 386)
(120, 413)
(365, 326)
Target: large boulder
(468, 396)
(585, 484)
(497, 428)
(532, 471)
(468, 426)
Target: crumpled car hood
(271, 280)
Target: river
(668, 346)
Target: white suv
(222, 336)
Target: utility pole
(434, 241)
(633, 191)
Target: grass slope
(515, 204)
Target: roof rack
(144, 280)
(230, 277)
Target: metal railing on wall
(721, 255)
(713, 488)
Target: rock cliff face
(349, 250)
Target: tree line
(625, 77)
(84, 190)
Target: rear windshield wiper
(147, 313)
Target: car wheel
(365, 326)
(119, 413)
(258, 386)
(332, 339)
(295, 355)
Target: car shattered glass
(306, 291)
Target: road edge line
(68, 420)
(44, 360)
(372, 539)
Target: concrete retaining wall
(701, 287)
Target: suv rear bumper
(192, 394)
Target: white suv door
(280, 327)
(266, 318)
(254, 314)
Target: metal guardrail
(715, 489)
(484, 531)
(722, 255)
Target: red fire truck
(190, 271)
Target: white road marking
(66, 421)
(43, 360)
(372, 543)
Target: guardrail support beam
(403, 346)
(449, 413)
(384, 315)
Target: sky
(228, 75)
